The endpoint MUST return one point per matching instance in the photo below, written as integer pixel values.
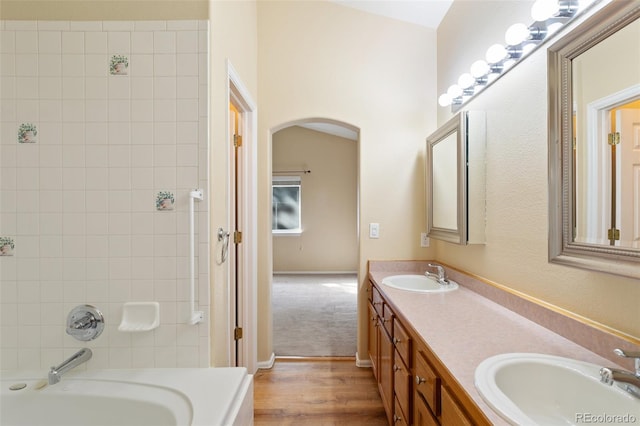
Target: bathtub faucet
(80, 357)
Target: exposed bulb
(516, 34)
(444, 100)
(495, 54)
(544, 9)
(479, 68)
(466, 80)
(454, 91)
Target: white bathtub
(146, 397)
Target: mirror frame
(457, 125)
(562, 249)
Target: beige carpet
(314, 315)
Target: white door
(628, 121)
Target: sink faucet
(440, 274)
(82, 356)
(631, 381)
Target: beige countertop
(463, 328)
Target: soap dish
(140, 316)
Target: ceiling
(427, 13)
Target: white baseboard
(363, 363)
(265, 365)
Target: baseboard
(265, 365)
(363, 363)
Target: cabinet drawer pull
(396, 340)
(395, 367)
(420, 380)
(396, 418)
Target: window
(286, 210)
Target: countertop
(463, 328)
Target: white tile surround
(80, 202)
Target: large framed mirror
(455, 180)
(594, 142)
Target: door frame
(239, 96)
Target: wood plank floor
(317, 391)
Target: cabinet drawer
(402, 341)
(402, 384)
(452, 414)
(370, 291)
(427, 383)
(399, 418)
(376, 301)
(387, 319)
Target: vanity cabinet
(415, 387)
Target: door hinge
(237, 140)
(614, 138)
(237, 333)
(613, 234)
(237, 237)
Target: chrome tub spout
(80, 357)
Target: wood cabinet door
(385, 370)
(452, 414)
(421, 414)
(373, 340)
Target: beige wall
(517, 201)
(318, 59)
(329, 241)
(233, 40)
(89, 10)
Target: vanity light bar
(548, 15)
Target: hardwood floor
(317, 391)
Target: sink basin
(419, 283)
(537, 389)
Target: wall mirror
(455, 180)
(594, 143)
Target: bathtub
(144, 397)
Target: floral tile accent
(119, 65)
(27, 133)
(6, 246)
(164, 200)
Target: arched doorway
(315, 238)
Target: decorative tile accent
(6, 246)
(164, 200)
(27, 133)
(119, 65)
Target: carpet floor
(314, 314)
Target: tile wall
(103, 135)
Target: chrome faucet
(615, 375)
(80, 357)
(440, 275)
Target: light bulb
(479, 68)
(516, 34)
(544, 9)
(466, 80)
(552, 28)
(495, 54)
(454, 91)
(444, 100)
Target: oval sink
(546, 390)
(420, 283)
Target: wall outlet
(424, 240)
(374, 230)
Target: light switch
(374, 230)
